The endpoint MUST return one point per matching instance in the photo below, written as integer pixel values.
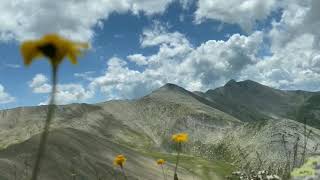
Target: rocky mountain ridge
(224, 124)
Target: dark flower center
(48, 50)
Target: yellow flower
(180, 137)
(160, 161)
(119, 160)
(308, 169)
(52, 46)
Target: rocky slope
(242, 123)
(251, 101)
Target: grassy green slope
(88, 154)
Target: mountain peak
(171, 90)
(171, 87)
(250, 82)
(231, 83)
(244, 84)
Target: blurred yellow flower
(307, 169)
(160, 161)
(180, 137)
(119, 160)
(52, 46)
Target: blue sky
(139, 45)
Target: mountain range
(240, 125)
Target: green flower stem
(45, 133)
(123, 172)
(177, 162)
(164, 174)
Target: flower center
(48, 50)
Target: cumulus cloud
(298, 18)
(157, 35)
(121, 82)
(22, 19)
(294, 66)
(294, 40)
(85, 75)
(294, 62)
(4, 96)
(66, 93)
(39, 84)
(177, 61)
(214, 62)
(139, 59)
(70, 93)
(244, 13)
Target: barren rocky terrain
(240, 125)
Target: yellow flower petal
(160, 161)
(119, 160)
(180, 137)
(52, 46)
(29, 51)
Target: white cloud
(39, 84)
(139, 59)
(66, 93)
(21, 19)
(298, 18)
(177, 61)
(85, 75)
(147, 6)
(215, 62)
(121, 82)
(70, 93)
(294, 66)
(4, 96)
(157, 35)
(244, 13)
(13, 66)
(294, 62)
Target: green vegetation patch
(200, 167)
